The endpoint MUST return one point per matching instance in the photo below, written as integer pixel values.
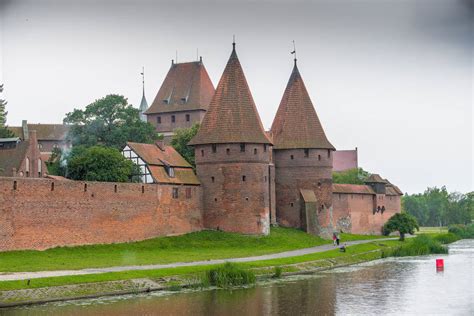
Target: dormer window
(170, 171)
(184, 100)
(166, 101)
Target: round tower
(303, 162)
(232, 155)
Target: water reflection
(403, 286)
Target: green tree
(56, 164)
(404, 223)
(180, 141)
(109, 121)
(351, 176)
(4, 131)
(99, 163)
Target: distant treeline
(438, 207)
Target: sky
(392, 78)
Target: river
(393, 286)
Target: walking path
(293, 253)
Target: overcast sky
(393, 78)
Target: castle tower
(233, 158)
(182, 99)
(303, 162)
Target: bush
(229, 275)
(421, 245)
(446, 238)
(463, 231)
(278, 271)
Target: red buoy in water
(439, 264)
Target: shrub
(229, 275)
(446, 238)
(404, 223)
(277, 273)
(421, 245)
(463, 231)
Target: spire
(294, 51)
(296, 124)
(143, 104)
(232, 116)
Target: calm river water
(402, 286)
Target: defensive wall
(44, 213)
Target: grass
(433, 230)
(228, 275)
(368, 251)
(421, 245)
(204, 245)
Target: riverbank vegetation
(228, 275)
(419, 246)
(204, 245)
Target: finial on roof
(172, 62)
(143, 79)
(294, 51)
(233, 42)
(200, 59)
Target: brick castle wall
(167, 125)
(42, 213)
(353, 213)
(235, 187)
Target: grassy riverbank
(205, 245)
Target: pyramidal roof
(187, 86)
(296, 124)
(232, 116)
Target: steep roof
(232, 116)
(296, 124)
(12, 158)
(43, 131)
(187, 86)
(375, 178)
(153, 155)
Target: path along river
(393, 286)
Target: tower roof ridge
(232, 116)
(296, 124)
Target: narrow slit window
(306, 153)
(212, 179)
(255, 151)
(188, 118)
(173, 119)
(214, 148)
(158, 119)
(292, 157)
(202, 152)
(242, 147)
(188, 193)
(319, 157)
(329, 153)
(227, 151)
(244, 178)
(175, 193)
(265, 147)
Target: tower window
(292, 157)
(319, 184)
(188, 117)
(202, 152)
(212, 179)
(319, 157)
(306, 153)
(158, 119)
(227, 151)
(188, 193)
(173, 119)
(244, 178)
(175, 193)
(242, 147)
(265, 147)
(329, 153)
(214, 148)
(291, 204)
(255, 151)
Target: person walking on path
(337, 239)
(334, 237)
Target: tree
(180, 141)
(404, 223)
(4, 131)
(111, 122)
(351, 176)
(98, 163)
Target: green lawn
(433, 230)
(202, 245)
(363, 249)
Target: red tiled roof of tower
(232, 116)
(296, 124)
(187, 86)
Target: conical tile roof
(296, 124)
(232, 116)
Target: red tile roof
(232, 116)
(153, 155)
(375, 178)
(187, 86)
(12, 158)
(296, 124)
(352, 188)
(56, 132)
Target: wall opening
(319, 157)
(306, 153)
(244, 178)
(292, 157)
(15, 185)
(255, 151)
(143, 189)
(242, 147)
(175, 193)
(212, 179)
(188, 193)
(52, 186)
(227, 151)
(214, 148)
(115, 188)
(85, 187)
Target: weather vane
(294, 50)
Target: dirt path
(293, 253)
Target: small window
(306, 153)
(52, 186)
(143, 189)
(212, 179)
(255, 151)
(175, 193)
(329, 153)
(183, 100)
(188, 117)
(158, 119)
(244, 178)
(173, 119)
(170, 171)
(14, 185)
(227, 151)
(264, 147)
(319, 184)
(165, 101)
(215, 199)
(188, 193)
(202, 152)
(85, 187)
(319, 157)
(292, 157)
(115, 188)
(291, 204)
(242, 147)
(214, 148)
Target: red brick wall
(37, 216)
(231, 204)
(312, 173)
(354, 212)
(180, 120)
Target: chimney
(24, 126)
(160, 144)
